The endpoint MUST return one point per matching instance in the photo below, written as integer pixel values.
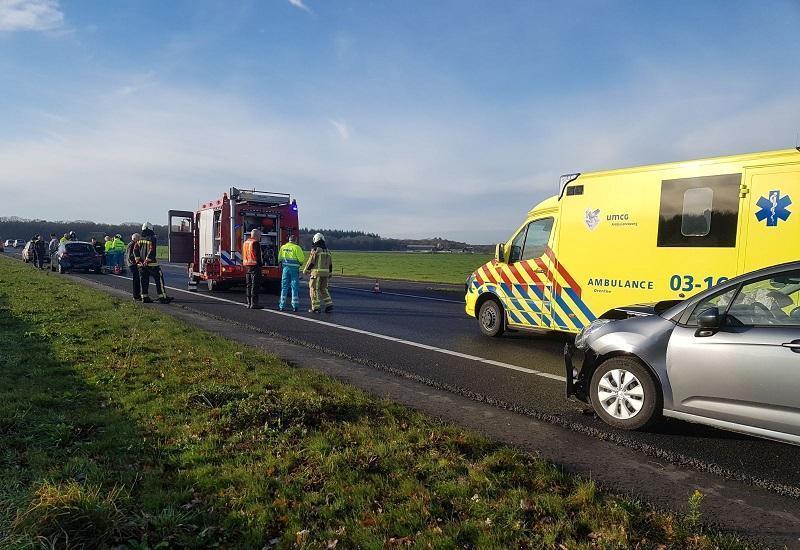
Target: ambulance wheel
(491, 318)
(624, 394)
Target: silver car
(728, 357)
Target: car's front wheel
(491, 318)
(624, 394)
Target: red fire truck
(210, 240)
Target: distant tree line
(18, 228)
(338, 239)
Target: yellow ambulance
(639, 236)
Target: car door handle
(793, 345)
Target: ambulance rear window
(699, 212)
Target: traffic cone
(117, 270)
(377, 288)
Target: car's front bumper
(577, 380)
(469, 303)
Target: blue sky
(406, 118)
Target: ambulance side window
(699, 212)
(537, 239)
(516, 246)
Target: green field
(122, 426)
(434, 268)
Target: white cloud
(301, 5)
(455, 173)
(30, 15)
(341, 128)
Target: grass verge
(433, 268)
(430, 268)
(110, 437)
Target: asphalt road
(421, 330)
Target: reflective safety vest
(291, 255)
(108, 246)
(117, 245)
(320, 262)
(249, 253)
(145, 249)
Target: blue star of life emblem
(773, 207)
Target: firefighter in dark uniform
(133, 264)
(320, 263)
(252, 260)
(145, 252)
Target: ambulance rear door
(772, 222)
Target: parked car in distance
(76, 256)
(8, 243)
(18, 243)
(728, 357)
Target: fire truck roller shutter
(206, 231)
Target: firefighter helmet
(318, 237)
(147, 225)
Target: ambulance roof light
(565, 180)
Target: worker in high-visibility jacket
(118, 247)
(291, 257)
(253, 261)
(109, 253)
(320, 263)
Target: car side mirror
(500, 253)
(710, 319)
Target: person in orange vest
(252, 260)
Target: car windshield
(78, 248)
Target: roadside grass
(122, 426)
(433, 268)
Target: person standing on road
(291, 257)
(320, 263)
(109, 253)
(147, 259)
(133, 265)
(253, 261)
(99, 249)
(39, 251)
(118, 248)
(52, 248)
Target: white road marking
(377, 335)
(416, 296)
